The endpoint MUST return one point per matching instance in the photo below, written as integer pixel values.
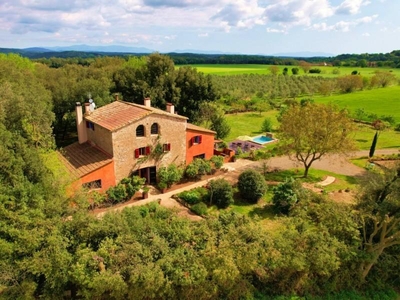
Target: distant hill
(303, 54)
(108, 49)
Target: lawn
(248, 123)
(326, 71)
(382, 101)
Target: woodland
(53, 247)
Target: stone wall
(172, 130)
(101, 138)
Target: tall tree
(379, 207)
(312, 131)
(373, 145)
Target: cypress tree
(374, 141)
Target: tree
(379, 207)
(266, 125)
(286, 195)
(373, 145)
(312, 131)
(169, 175)
(295, 71)
(274, 69)
(221, 193)
(252, 185)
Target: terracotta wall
(205, 147)
(106, 174)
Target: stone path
(332, 163)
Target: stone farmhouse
(123, 139)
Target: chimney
(147, 102)
(80, 124)
(87, 108)
(170, 108)
(116, 96)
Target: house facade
(123, 139)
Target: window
(166, 147)
(90, 125)
(154, 128)
(92, 185)
(140, 130)
(142, 151)
(196, 139)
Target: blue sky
(236, 26)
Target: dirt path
(332, 163)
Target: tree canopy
(309, 132)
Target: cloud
(203, 34)
(240, 13)
(273, 30)
(177, 3)
(343, 25)
(366, 34)
(351, 7)
(298, 12)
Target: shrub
(355, 72)
(199, 209)
(285, 195)
(295, 71)
(169, 175)
(315, 71)
(266, 125)
(221, 193)
(117, 193)
(217, 160)
(397, 127)
(194, 196)
(197, 168)
(252, 186)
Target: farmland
(326, 71)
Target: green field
(326, 71)
(250, 124)
(382, 101)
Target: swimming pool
(262, 139)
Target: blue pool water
(262, 139)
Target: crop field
(382, 101)
(326, 71)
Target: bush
(295, 71)
(355, 72)
(194, 196)
(117, 193)
(125, 189)
(221, 193)
(199, 209)
(397, 127)
(285, 195)
(197, 168)
(252, 186)
(266, 125)
(218, 161)
(169, 175)
(315, 71)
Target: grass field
(250, 124)
(326, 71)
(382, 101)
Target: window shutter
(169, 147)
(87, 124)
(136, 153)
(147, 150)
(200, 138)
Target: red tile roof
(118, 114)
(82, 159)
(198, 128)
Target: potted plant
(162, 186)
(145, 191)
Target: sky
(230, 26)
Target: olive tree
(309, 132)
